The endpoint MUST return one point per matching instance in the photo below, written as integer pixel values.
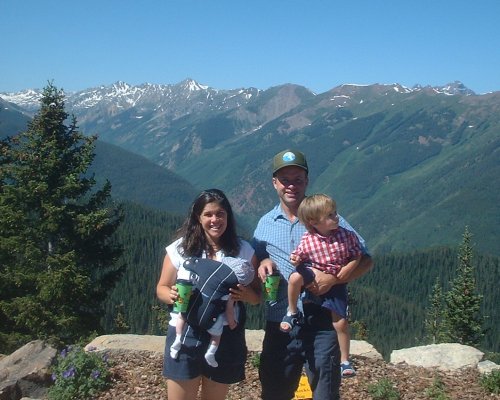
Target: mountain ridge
(29, 98)
(405, 159)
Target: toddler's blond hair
(313, 208)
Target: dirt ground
(137, 375)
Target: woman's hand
(167, 294)
(173, 295)
(244, 293)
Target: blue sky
(229, 44)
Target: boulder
(155, 343)
(127, 342)
(364, 349)
(26, 372)
(487, 366)
(443, 356)
(254, 338)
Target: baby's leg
(179, 328)
(210, 354)
(215, 334)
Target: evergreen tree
(462, 316)
(360, 330)
(159, 320)
(121, 324)
(434, 317)
(56, 257)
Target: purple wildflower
(69, 373)
(64, 352)
(54, 377)
(95, 374)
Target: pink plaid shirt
(329, 253)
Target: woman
(208, 232)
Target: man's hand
(232, 324)
(345, 272)
(266, 267)
(322, 283)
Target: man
(315, 341)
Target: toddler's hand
(294, 259)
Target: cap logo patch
(288, 156)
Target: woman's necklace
(214, 248)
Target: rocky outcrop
(26, 372)
(443, 356)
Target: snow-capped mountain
(177, 99)
(28, 99)
(168, 123)
(172, 97)
(455, 88)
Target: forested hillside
(134, 177)
(12, 120)
(392, 299)
(143, 234)
(137, 179)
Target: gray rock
(26, 372)
(364, 349)
(487, 366)
(254, 339)
(155, 344)
(443, 356)
(127, 342)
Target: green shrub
(255, 360)
(494, 357)
(491, 381)
(383, 390)
(437, 390)
(78, 374)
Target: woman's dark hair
(194, 241)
